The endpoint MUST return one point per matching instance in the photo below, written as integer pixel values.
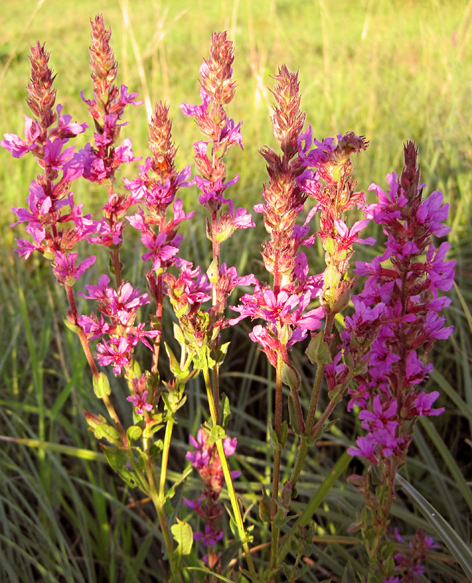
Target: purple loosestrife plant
(300, 173)
(199, 331)
(377, 357)
(404, 284)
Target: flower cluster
(403, 285)
(411, 567)
(102, 160)
(120, 308)
(217, 89)
(106, 108)
(406, 290)
(327, 180)
(284, 308)
(54, 221)
(206, 460)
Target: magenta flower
(19, 147)
(366, 448)
(65, 270)
(117, 352)
(210, 537)
(380, 417)
(140, 402)
(160, 252)
(423, 404)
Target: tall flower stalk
(404, 283)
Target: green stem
(165, 457)
(274, 547)
(173, 560)
(215, 373)
(310, 421)
(229, 481)
(303, 449)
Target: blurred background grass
(392, 70)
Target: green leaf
(101, 385)
(173, 362)
(225, 411)
(349, 574)
(73, 327)
(183, 534)
(291, 377)
(107, 432)
(134, 432)
(215, 434)
(273, 439)
(221, 353)
(117, 461)
(318, 351)
(264, 506)
(208, 572)
(461, 551)
(281, 522)
(292, 411)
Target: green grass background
(392, 70)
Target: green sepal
(202, 359)
(183, 535)
(73, 327)
(101, 385)
(291, 377)
(154, 425)
(135, 370)
(133, 433)
(318, 350)
(215, 434)
(329, 246)
(213, 271)
(336, 395)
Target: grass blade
(461, 551)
